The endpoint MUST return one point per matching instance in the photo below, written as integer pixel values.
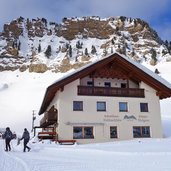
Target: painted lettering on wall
(130, 118)
(143, 118)
(112, 118)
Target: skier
(26, 137)
(8, 137)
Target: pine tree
(19, 45)
(154, 55)
(130, 20)
(44, 21)
(170, 44)
(70, 51)
(135, 23)
(166, 43)
(93, 49)
(39, 48)
(169, 47)
(86, 52)
(123, 50)
(13, 44)
(113, 42)
(79, 45)
(122, 18)
(157, 71)
(133, 53)
(164, 52)
(48, 51)
(67, 45)
(105, 52)
(111, 50)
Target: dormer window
(90, 83)
(107, 84)
(123, 85)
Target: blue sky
(156, 12)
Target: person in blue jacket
(8, 137)
(26, 137)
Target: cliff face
(41, 45)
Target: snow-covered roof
(138, 65)
(148, 71)
(163, 88)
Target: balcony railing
(47, 135)
(110, 91)
(49, 118)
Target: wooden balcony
(49, 118)
(47, 135)
(110, 91)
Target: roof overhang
(134, 70)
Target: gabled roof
(131, 69)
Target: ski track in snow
(10, 162)
(52, 157)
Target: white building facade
(109, 100)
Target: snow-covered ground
(133, 155)
(21, 93)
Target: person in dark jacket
(8, 137)
(26, 137)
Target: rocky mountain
(39, 45)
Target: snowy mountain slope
(25, 43)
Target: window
(77, 132)
(123, 107)
(107, 84)
(101, 106)
(77, 106)
(113, 132)
(144, 107)
(83, 132)
(123, 85)
(90, 83)
(141, 132)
